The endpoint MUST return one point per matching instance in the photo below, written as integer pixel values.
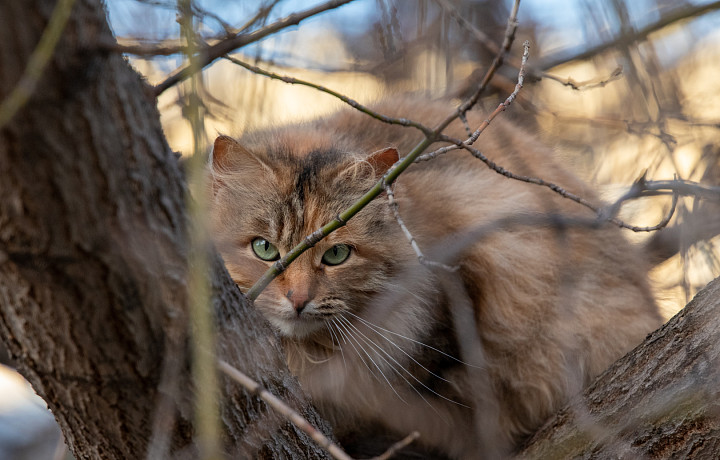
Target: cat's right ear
(383, 160)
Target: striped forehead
(306, 195)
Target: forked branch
(209, 54)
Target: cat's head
(266, 197)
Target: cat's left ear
(230, 155)
(382, 160)
(223, 151)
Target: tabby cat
(378, 338)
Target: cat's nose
(299, 300)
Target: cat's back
(555, 303)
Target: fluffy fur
(378, 342)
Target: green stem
(311, 240)
(204, 371)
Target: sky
(131, 17)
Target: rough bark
(662, 400)
(92, 260)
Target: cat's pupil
(264, 249)
(336, 255)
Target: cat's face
(265, 200)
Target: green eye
(265, 250)
(336, 254)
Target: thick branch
(659, 401)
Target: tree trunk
(93, 304)
(661, 401)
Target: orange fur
(551, 309)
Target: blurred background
(617, 87)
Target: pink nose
(299, 299)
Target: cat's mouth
(289, 322)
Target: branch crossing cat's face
(288, 197)
(374, 335)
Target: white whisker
(396, 371)
(373, 328)
(369, 324)
(349, 324)
(333, 338)
(349, 334)
(345, 340)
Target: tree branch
(277, 404)
(680, 14)
(659, 401)
(217, 50)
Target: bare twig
(497, 62)
(506, 103)
(142, 48)
(277, 404)
(217, 50)
(436, 153)
(413, 243)
(39, 58)
(395, 448)
(500, 108)
(589, 84)
(651, 188)
(682, 187)
(680, 14)
(351, 102)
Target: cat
(372, 333)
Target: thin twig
(395, 448)
(500, 108)
(506, 103)
(679, 14)
(589, 84)
(39, 59)
(142, 48)
(651, 188)
(413, 243)
(277, 404)
(497, 62)
(351, 102)
(217, 50)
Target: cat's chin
(296, 328)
